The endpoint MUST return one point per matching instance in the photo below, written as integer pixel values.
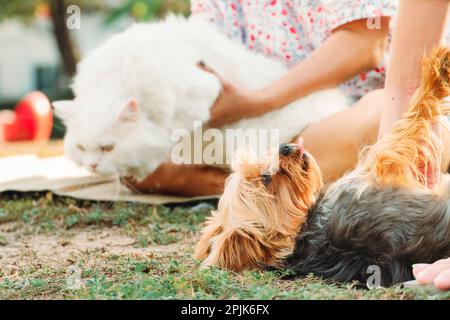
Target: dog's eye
(80, 147)
(266, 179)
(107, 148)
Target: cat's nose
(94, 166)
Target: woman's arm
(351, 49)
(420, 27)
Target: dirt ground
(55, 250)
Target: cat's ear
(64, 109)
(129, 112)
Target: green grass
(164, 270)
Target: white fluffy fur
(154, 67)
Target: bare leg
(336, 141)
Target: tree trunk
(65, 45)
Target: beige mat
(27, 173)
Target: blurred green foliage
(145, 10)
(141, 10)
(26, 9)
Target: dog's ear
(237, 250)
(203, 247)
(245, 161)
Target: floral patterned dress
(289, 30)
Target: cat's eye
(266, 179)
(107, 148)
(80, 147)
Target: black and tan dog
(383, 213)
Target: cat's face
(124, 143)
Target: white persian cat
(133, 91)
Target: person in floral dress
(325, 43)
(291, 30)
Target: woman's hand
(437, 273)
(395, 103)
(233, 103)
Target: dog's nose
(286, 149)
(94, 166)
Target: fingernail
(421, 279)
(442, 282)
(425, 277)
(417, 265)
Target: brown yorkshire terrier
(261, 209)
(384, 213)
